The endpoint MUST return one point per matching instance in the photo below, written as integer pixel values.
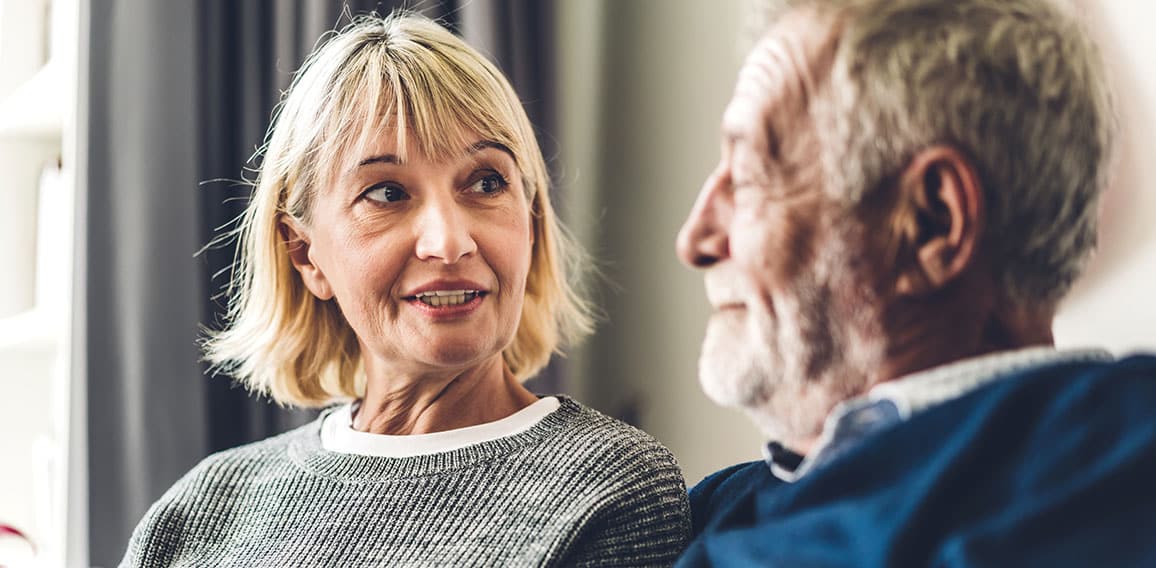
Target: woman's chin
(458, 355)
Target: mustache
(724, 288)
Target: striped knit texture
(577, 489)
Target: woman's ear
(297, 244)
(939, 221)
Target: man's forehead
(746, 114)
(781, 72)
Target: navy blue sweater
(1055, 466)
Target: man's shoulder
(1047, 400)
(719, 493)
(1052, 464)
(1072, 395)
(1139, 365)
(1035, 427)
(737, 477)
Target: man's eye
(489, 184)
(386, 193)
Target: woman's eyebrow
(472, 149)
(483, 144)
(383, 159)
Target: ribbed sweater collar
(306, 452)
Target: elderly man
(907, 190)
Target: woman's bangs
(445, 123)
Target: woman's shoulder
(589, 435)
(586, 421)
(216, 486)
(243, 462)
(629, 485)
(223, 474)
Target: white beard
(788, 366)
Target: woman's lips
(452, 304)
(447, 297)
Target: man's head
(903, 183)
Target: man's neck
(955, 331)
(965, 321)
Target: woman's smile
(447, 300)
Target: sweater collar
(307, 452)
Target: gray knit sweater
(578, 488)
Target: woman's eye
(489, 184)
(386, 193)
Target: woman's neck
(400, 404)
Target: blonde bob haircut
(401, 72)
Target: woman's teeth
(446, 297)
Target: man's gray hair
(1017, 85)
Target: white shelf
(39, 41)
(35, 110)
(33, 333)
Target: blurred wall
(643, 85)
(1115, 305)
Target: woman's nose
(703, 239)
(444, 232)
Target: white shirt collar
(919, 391)
(338, 435)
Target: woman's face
(426, 259)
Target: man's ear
(939, 220)
(297, 244)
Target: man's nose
(444, 232)
(703, 240)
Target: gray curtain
(177, 98)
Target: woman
(400, 252)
